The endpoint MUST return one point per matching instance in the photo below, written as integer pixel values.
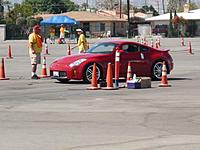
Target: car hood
(72, 58)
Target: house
(95, 24)
(191, 27)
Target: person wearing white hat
(82, 42)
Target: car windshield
(102, 48)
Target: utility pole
(86, 4)
(163, 5)
(120, 9)
(145, 2)
(158, 6)
(128, 8)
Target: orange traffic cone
(46, 49)
(9, 53)
(159, 42)
(190, 48)
(44, 69)
(157, 45)
(182, 42)
(69, 50)
(109, 78)
(152, 43)
(164, 82)
(2, 71)
(129, 72)
(94, 85)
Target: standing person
(52, 32)
(62, 33)
(82, 42)
(35, 49)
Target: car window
(102, 48)
(143, 48)
(130, 47)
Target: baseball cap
(36, 27)
(79, 30)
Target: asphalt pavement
(47, 115)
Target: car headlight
(77, 62)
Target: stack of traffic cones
(109, 78)
(2, 71)
(190, 48)
(9, 53)
(69, 50)
(164, 82)
(129, 72)
(44, 69)
(94, 85)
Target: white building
(192, 17)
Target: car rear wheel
(87, 74)
(157, 70)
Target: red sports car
(146, 61)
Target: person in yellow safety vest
(62, 33)
(35, 49)
(52, 32)
(82, 42)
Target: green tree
(146, 9)
(19, 10)
(51, 6)
(172, 5)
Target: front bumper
(60, 71)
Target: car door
(138, 55)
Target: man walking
(35, 49)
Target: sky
(137, 3)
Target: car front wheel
(157, 70)
(87, 74)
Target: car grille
(61, 73)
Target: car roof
(118, 41)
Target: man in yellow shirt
(62, 33)
(52, 34)
(35, 49)
(82, 42)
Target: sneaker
(35, 77)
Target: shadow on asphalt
(179, 79)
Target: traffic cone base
(4, 78)
(110, 88)
(164, 85)
(92, 88)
